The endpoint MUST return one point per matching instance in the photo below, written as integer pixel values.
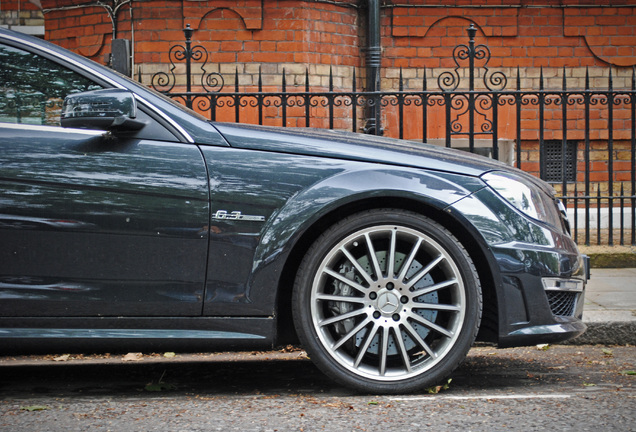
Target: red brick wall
(531, 37)
(233, 31)
(22, 15)
(527, 34)
(18, 5)
(86, 30)
(518, 33)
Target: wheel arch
(469, 240)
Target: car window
(32, 88)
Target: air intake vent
(562, 303)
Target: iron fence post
(188, 31)
(374, 63)
(472, 32)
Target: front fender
(279, 197)
(384, 185)
(361, 183)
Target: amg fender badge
(236, 215)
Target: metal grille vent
(554, 159)
(562, 303)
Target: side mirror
(108, 110)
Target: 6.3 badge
(236, 215)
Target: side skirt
(99, 335)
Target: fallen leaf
(34, 408)
(543, 347)
(439, 388)
(169, 355)
(628, 372)
(589, 385)
(608, 352)
(133, 357)
(64, 357)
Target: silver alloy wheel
(388, 302)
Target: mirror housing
(107, 109)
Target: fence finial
(472, 32)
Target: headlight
(524, 196)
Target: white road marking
(484, 397)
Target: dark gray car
(129, 222)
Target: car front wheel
(387, 301)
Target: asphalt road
(582, 388)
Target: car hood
(358, 147)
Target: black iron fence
(583, 140)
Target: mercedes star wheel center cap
(388, 303)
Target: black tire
(380, 327)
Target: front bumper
(541, 303)
(526, 257)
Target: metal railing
(602, 202)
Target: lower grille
(562, 303)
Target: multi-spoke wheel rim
(388, 302)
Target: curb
(612, 260)
(607, 333)
(610, 256)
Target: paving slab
(611, 295)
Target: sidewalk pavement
(610, 307)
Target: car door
(93, 225)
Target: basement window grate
(555, 158)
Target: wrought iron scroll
(164, 82)
(480, 107)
